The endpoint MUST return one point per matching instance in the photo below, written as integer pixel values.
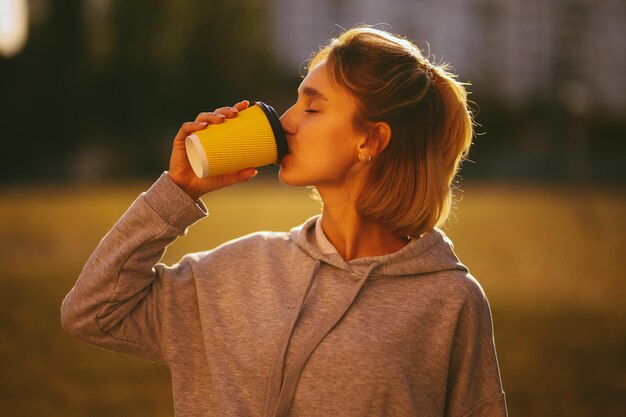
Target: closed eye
(310, 111)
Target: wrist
(173, 204)
(183, 185)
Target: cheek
(331, 157)
(316, 160)
(323, 144)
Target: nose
(287, 122)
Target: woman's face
(320, 133)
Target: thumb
(246, 174)
(237, 177)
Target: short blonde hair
(411, 180)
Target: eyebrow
(313, 93)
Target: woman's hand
(180, 170)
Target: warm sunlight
(13, 26)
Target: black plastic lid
(279, 134)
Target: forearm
(121, 275)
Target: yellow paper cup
(253, 138)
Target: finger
(237, 177)
(242, 105)
(210, 117)
(227, 111)
(188, 128)
(246, 174)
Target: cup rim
(197, 156)
(277, 129)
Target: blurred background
(93, 91)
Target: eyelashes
(310, 111)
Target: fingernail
(234, 109)
(221, 116)
(203, 124)
(255, 174)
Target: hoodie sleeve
(474, 386)
(122, 293)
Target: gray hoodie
(278, 324)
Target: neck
(353, 236)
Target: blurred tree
(174, 59)
(40, 108)
(102, 86)
(124, 75)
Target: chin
(291, 178)
(286, 179)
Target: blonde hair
(410, 184)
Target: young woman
(362, 311)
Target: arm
(122, 292)
(123, 298)
(474, 387)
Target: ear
(376, 141)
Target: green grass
(549, 258)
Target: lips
(282, 161)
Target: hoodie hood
(433, 252)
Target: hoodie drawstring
(282, 386)
(276, 373)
